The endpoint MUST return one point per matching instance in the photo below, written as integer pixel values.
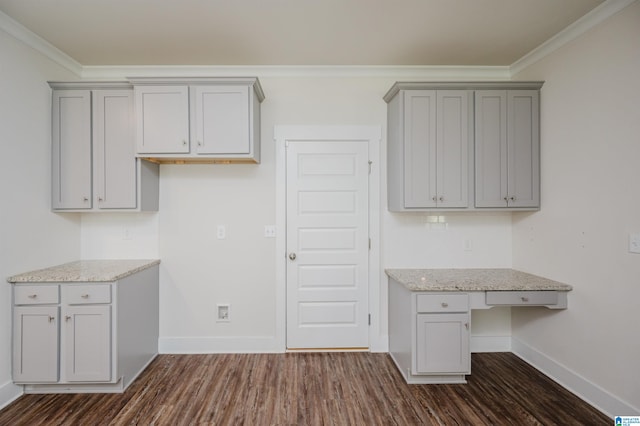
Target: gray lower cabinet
(94, 167)
(507, 146)
(429, 335)
(84, 337)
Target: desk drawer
(522, 298)
(36, 294)
(439, 302)
(87, 294)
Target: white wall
(198, 270)
(31, 236)
(590, 135)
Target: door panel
(327, 244)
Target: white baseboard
(573, 382)
(490, 344)
(9, 392)
(213, 345)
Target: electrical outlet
(221, 232)
(223, 312)
(269, 231)
(634, 243)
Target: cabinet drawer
(443, 302)
(522, 298)
(87, 294)
(36, 294)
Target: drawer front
(432, 303)
(87, 294)
(522, 298)
(36, 294)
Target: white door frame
(372, 134)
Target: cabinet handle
(100, 199)
(67, 318)
(524, 299)
(52, 319)
(85, 199)
(85, 296)
(445, 304)
(466, 325)
(441, 198)
(32, 296)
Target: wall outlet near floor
(634, 243)
(223, 312)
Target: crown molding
(573, 31)
(447, 73)
(31, 39)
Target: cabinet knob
(67, 318)
(292, 256)
(32, 296)
(184, 143)
(441, 198)
(445, 304)
(85, 296)
(85, 199)
(100, 199)
(506, 199)
(524, 299)
(434, 199)
(512, 198)
(199, 143)
(52, 319)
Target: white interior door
(327, 244)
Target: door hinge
(370, 162)
(369, 243)
(369, 319)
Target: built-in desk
(429, 315)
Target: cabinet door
(71, 149)
(35, 344)
(442, 344)
(491, 148)
(523, 150)
(420, 148)
(452, 148)
(222, 119)
(86, 336)
(115, 171)
(162, 117)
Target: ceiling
(296, 32)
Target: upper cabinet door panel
(114, 156)
(162, 114)
(420, 148)
(222, 119)
(491, 148)
(452, 148)
(524, 148)
(71, 149)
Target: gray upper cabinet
(71, 149)
(463, 146)
(507, 149)
(198, 120)
(94, 167)
(428, 148)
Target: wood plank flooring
(312, 389)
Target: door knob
(292, 256)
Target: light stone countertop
(472, 280)
(86, 271)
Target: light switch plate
(270, 231)
(634, 243)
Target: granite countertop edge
(473, 280)
(107, 270)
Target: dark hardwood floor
(313, 389)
